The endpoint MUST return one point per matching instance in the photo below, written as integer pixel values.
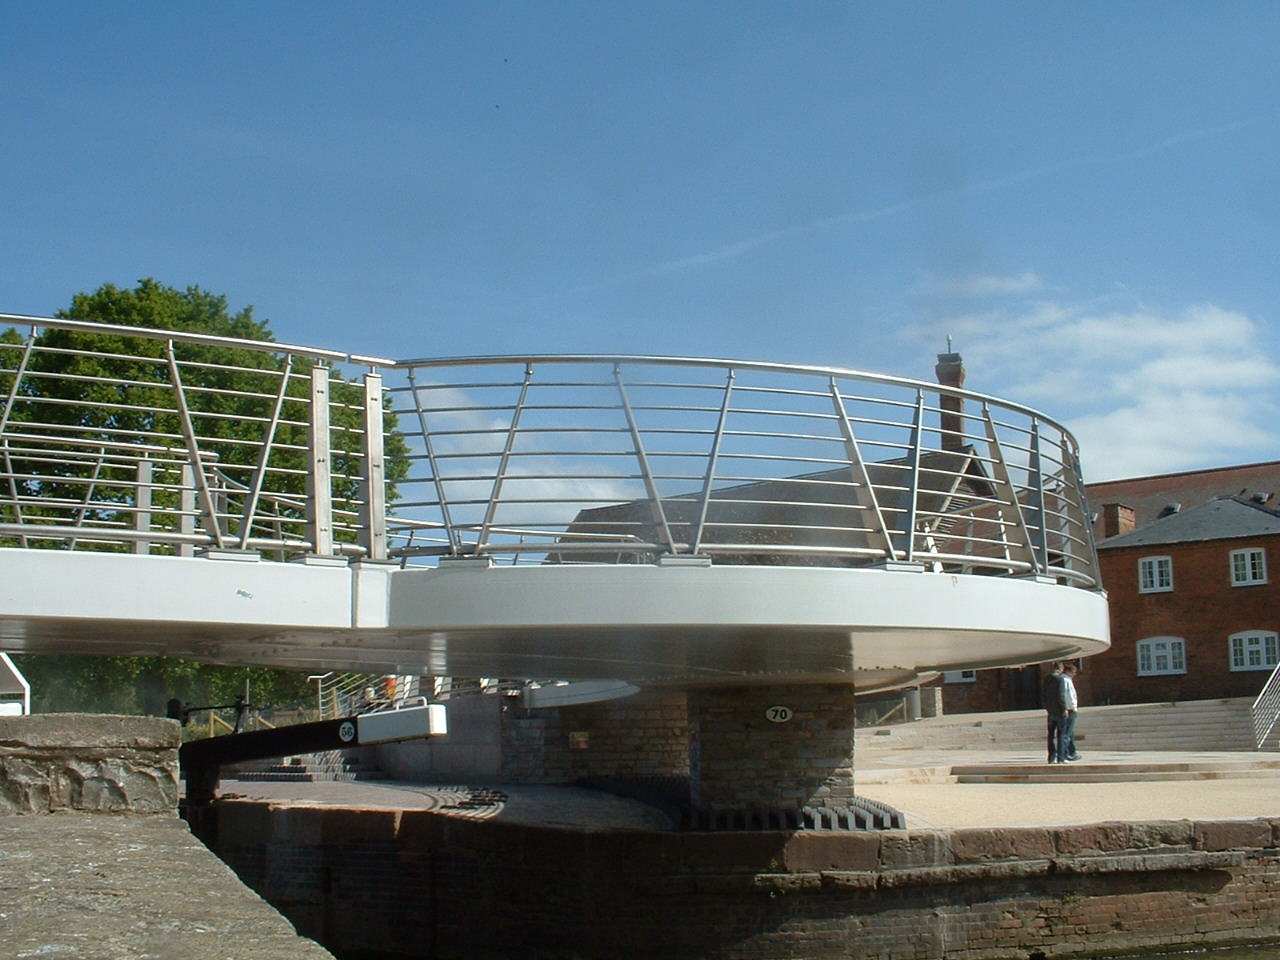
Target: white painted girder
(672, 624)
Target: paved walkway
(918, 782)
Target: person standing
(1053, 696)
(1067, 735)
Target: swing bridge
(653, 520)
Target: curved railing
(123, 438)
(631, 459)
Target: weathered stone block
(832, 851)
(756, 852)
(1160, 833)
(1232, 834)
(979, 844)
(922, 848)
(53, 762)
(341, 825)
(1091, 838)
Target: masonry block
(245, 823)
(820, 851)
(754, 852)
(1091, 838)
(1160, 833)
(100, 764)
(916, 848)
(975, 845)
(1232, 834)
(343, 825)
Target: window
(1248, 567)
(1161, 655)
(959, 676)
(1155, 574)
(1254, 650)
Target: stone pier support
(782, 746)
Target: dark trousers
(1061, 742)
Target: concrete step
(1194, 725)
(1112, 771)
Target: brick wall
(1203, 609)
(392, 884)
(742, 757)
(644, 735)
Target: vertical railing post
(319, 467)
(642, 460)
(713, 459)
(373, 512)
(864, 493)
(1006, 494)
(495, 494)
(1035, 502)
(187, 509)
(142, 505)
(254, 494)
(437, 477)
(913, 494)
(213, 522)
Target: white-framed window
(1155, 574)
(1254, 650)
(1248, 567)
(1161, 655)
(959, 676)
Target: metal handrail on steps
(1266, 709)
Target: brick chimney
(1117, 519)
(950, 373)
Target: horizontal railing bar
(177, 336)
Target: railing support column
(373, 510)
(142, 506)
(319, 469)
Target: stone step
(1084, 772)
(1085, 776)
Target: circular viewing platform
(651, 519)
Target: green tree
(97, 391)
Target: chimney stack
(950, 373)
(1117, 519)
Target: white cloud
(985, 285)
(1144, 390)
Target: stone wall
(51, 763)
(388, 884)
(772, 746)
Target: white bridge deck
(655, 520)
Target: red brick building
(1195, 611)
(1188, 561)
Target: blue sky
(1085, 196)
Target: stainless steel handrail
(558, 458)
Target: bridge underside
(673, 625)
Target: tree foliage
(144, 685)
(88, 387)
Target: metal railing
(150, 441)
(566, 459)
(1265, 710)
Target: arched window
(1161, 655)
(1253, 650)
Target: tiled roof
(1222, 519)
(1150, 497)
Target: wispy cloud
(984, 285)
(731, 251)
(1144, 390)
